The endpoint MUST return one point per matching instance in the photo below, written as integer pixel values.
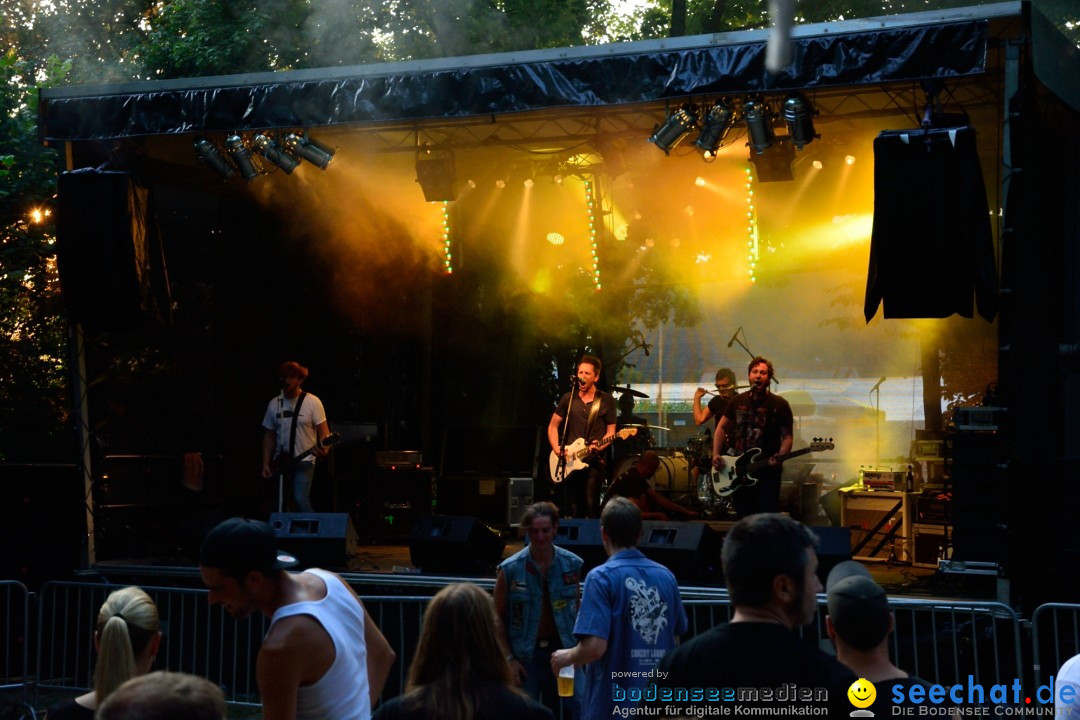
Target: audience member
(1068, 676)
(127, 638)
(859, 623)
(165, 695)
(631, 614)
(322, 656)
(770, 567)
(537, 592)
(459, 671)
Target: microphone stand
(876, 391)
(560, 469)
(752, 355)
(281, 468)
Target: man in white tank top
(323, 657)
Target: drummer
(634, 486)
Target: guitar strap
(594, 410)
(295, 415)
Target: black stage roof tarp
(879, 52)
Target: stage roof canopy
(869, 53)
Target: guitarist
(587, 413)
(756, 419)
(288, 433)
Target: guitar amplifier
(399, 459)
(883, 480)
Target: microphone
(878, 384)
(645, 347)
(734, 337)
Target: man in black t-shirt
(575, 411)
(756, 419)
(757, 660)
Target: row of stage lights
(717, 121)
(285, 151)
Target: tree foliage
(32, 339)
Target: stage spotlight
(818, 165)
(759, 124)
(716, 126)
(437, 177)
(309, 148)
(674, 129)
(270, 150)
(210, 155)
(849, 159)
(500, 183)
(240, 155)
(799, 116)
(529, 182)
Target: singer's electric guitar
(576, 452)
(285, 464)
(738, 472)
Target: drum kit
(674, 477)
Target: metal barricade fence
(197, 638)
(1055, 637)
(14, 636)
(942, 642)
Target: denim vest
(525, 592)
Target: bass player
(587, 413)
(294, 425)
(756, 419)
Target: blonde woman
(127, 638)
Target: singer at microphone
(755, 419)
(576, 426)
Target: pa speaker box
(112, 271)
(326, 540)
(402, 496)
(834, 546)
(691, 550)
(581, 536)
(454, 544)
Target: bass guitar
(285, 464)
(738, 472)
(576, 452)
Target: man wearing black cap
(859, 623)
(322, 657)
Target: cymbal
(651, 427)
(628, 391)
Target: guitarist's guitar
(739, 471)
(284, 464)
(576, 452)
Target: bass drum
(671, 478)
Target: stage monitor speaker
(454, 544)
(326, 540)
(691, 550)
(581, 536)
(834, 546)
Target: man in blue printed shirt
(631, 615)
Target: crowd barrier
(48, 637)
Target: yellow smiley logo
(862, 693)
